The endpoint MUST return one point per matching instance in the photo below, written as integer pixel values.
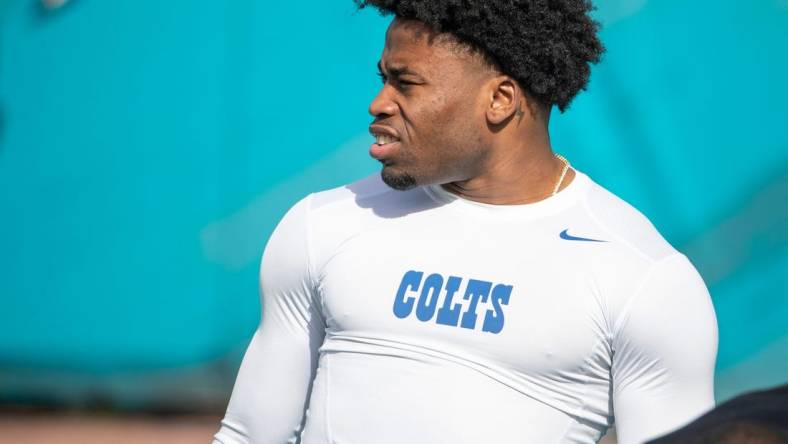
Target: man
(478, 290)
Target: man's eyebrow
(397, 70)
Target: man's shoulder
(351, 193)
(333, 207)
(625, 224)
(367, 197)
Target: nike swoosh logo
(567, 236)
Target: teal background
(148, 148)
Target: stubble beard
(398, 181)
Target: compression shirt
(422, 317)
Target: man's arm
(273, 384)
(664, 350)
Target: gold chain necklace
(563, 173)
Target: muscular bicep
(665, 345)
(272, 388)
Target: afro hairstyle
(546, 45)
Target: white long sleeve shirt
(422, 317)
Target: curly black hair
(546, 45)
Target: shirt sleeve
(664, 350)
(271, 391)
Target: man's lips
(392, 141)
(380, 152)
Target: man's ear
(505, 100)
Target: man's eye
(398, 81)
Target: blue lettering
(474, 291)
(448, 314)
(428, 299)
(493, 320)
(402, 305)
(451, 312)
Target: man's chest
(499, 297)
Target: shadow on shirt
(388, 203)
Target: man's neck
(515, 174)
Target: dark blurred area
(759, 417)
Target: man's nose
(382, 106)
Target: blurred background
(148, 148)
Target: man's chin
(398, 180)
